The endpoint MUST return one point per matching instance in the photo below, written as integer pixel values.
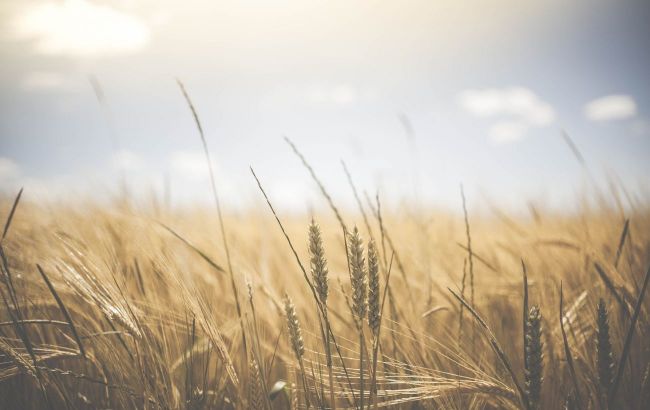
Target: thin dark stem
(63, 309)
(567, 353)
(222, 225)
(628, 341)
(11, 215)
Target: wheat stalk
(319, 273)
(374, 308)
(569, 357)
(358, 277)
(470, 254)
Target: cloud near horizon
(519, 109)
(611, 107)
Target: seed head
(535, 358)
(318, 263)
(358, 273)
(604, 349)
(295, 333)
(255, 387)
(373, 289)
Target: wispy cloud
(521, 106)
(611, 107)
(80, 28)
(514, 101)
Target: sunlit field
(118, 306)
(324, 204)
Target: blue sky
(487, 87)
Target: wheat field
(118, 306)
(324, 205)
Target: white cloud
(507, 131)
(8, 169)
(513, 101)
(80, 28)
(127, 161)
(521, 105)
(611, 107)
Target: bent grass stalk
(628, 341)
(568, 355)
(222, 225)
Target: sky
(417, 97)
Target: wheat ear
(255, 386)
(358, 276)
(534, 358)
(319, 274)
(296, 340)
(604, 357)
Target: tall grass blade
(628, 341)
(63, 309)
(10, 217)
(495, 346)
(569, 356)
